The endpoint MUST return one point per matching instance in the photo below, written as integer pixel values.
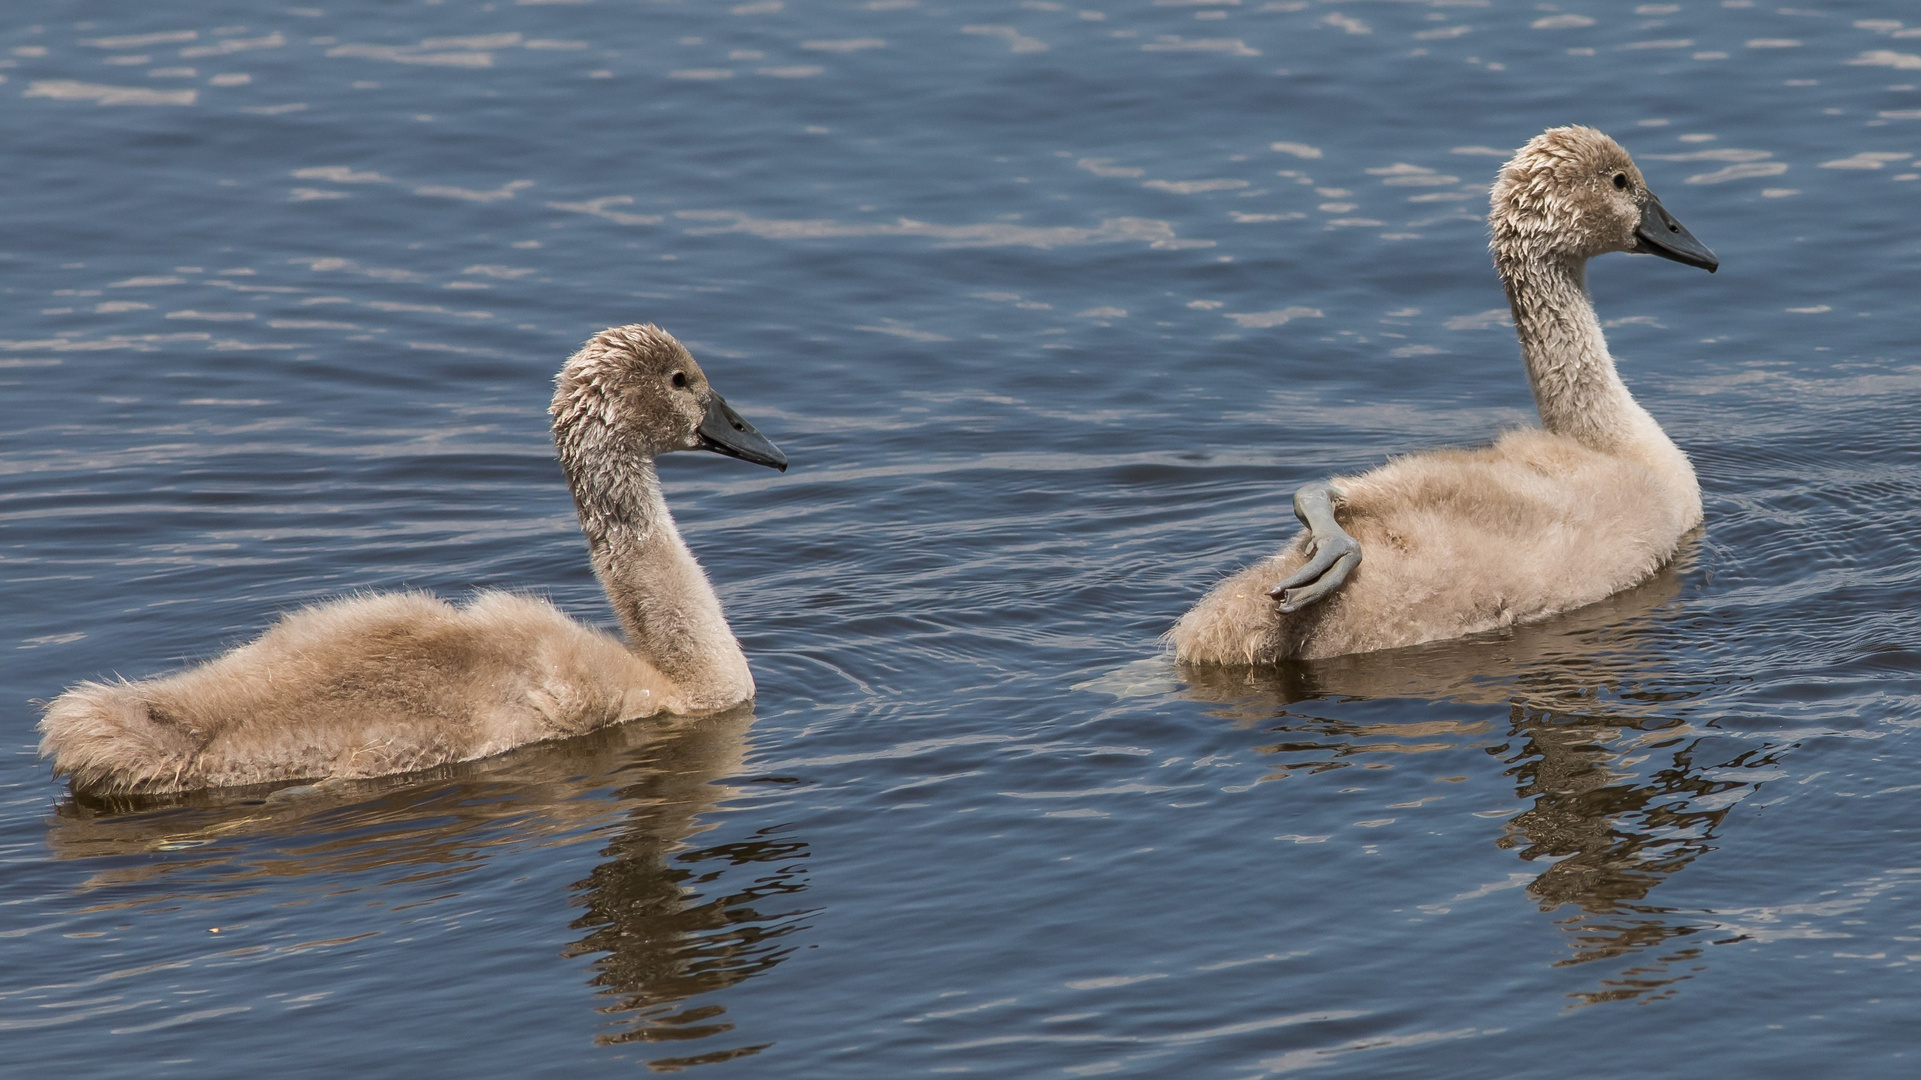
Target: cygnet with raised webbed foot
(1450, 542)
(397, 682)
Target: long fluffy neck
(1575, 385)
(1576, 389)
(665, 603)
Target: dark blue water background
(1051, 306)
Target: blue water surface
(1051, 306)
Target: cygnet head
(1573, 193)
(635, 392)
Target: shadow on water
(668, 919)
(1619, 790)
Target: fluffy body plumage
(378, 684)
(1543, 521)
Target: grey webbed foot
(1334, 554)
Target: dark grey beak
(724, 432)
(1659, 234)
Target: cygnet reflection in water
(1452, 542)
(400, 682)
(668, 920)
(1613, 788)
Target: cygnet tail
(107, 738)
(1238, 623)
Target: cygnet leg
(1334, 553)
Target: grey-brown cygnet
(1451, 542)
(389, 683)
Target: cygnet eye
(1621, 181)
(679, 380)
